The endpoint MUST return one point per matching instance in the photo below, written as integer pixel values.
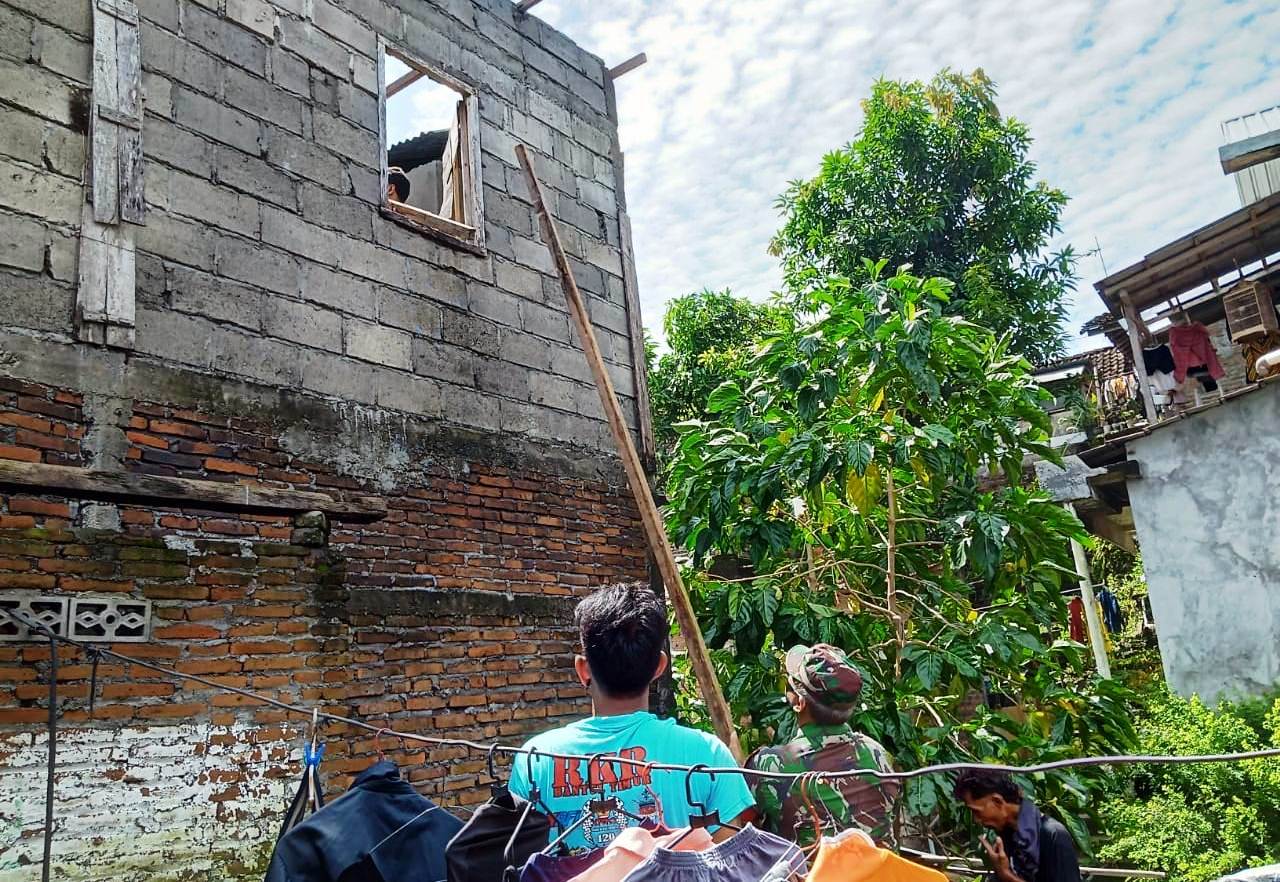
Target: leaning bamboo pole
(651, 519)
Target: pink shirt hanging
(1191, 348)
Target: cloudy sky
(1124, 98)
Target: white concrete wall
(1208, 522)
(159, 803)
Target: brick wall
(290, 336)
(450, 616)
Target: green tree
(710, 335)
(938, 179)
(1198, 822)
(847, 471)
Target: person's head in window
(623, 630)
(397, 185)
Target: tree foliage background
(937, 178)
(710, 335)
(844, 475)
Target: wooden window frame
(468, 236)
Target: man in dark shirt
(1031, 847)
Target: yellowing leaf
(917, 466)
(878, 401)
(855, 489)
(911, 311)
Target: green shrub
(1199, 821)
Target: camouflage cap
(825, 674)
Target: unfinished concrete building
(267, 418)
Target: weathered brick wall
(450, 617)
(290, 336)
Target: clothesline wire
(943, 768)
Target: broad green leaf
(929, 669)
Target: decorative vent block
(112, 620)
(48, 611)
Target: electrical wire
(945, 768)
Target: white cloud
(1123, 97)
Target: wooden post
(1135, 326)
(654, 529)
(1097, 640)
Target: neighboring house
(258, 423)
(1200, 468)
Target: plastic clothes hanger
(534, 800)
(704, 817)
(497, 787)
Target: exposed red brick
(148, 440)
(26, 421)
(230, 466)
(22, 454)
(165, 427)
(186, 632)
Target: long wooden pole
(1097, 640)
(654, 530)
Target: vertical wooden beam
(382, 121)
(474, 167)
(116, 199)
(1134, 325)
(651, 519)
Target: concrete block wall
(290, 336)
(264, 255)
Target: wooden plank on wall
(217, 495)
(103, 146)
(475, 169)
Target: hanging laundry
(339, 841)
(1112, 615)
(853, 856)
(1077, 627)
(1208, 383)
(477, 852)
(751, 856)
(1158, 360)
(1191, 347)
(632, 846)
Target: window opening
(430, 150)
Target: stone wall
(1207, 518)
(290, 336)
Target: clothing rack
(96, 652)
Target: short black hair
(977, 783)
(400, 181)
(623, 630)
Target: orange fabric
(851, 857)
(632, 846)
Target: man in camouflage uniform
(823, 687)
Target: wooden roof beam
(1239, 155)
(628, 66)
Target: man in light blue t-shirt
(623, 630)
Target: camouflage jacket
(863, 802)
